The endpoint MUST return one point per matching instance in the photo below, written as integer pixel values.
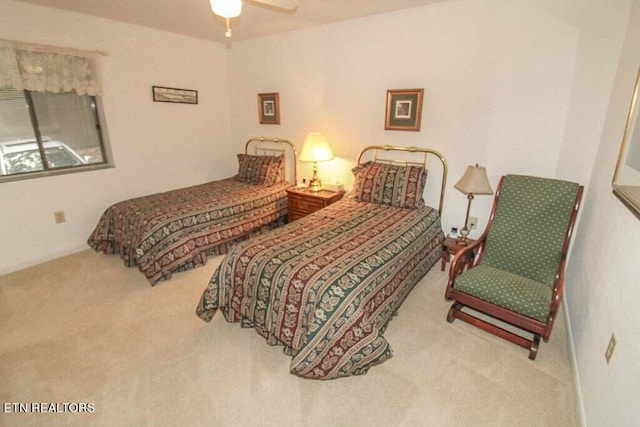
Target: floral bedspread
(176, 230)
(325, 286)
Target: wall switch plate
(612, 345)
(473, 222)
(59, 217)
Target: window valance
(42, 68)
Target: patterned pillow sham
(386, 184)
(266, 170)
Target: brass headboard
(379, 150)
(275, 147)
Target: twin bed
(325, 286)
(174, 231)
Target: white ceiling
(194, 17)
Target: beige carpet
(86, 329)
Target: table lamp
(315, 149)
(474, 181)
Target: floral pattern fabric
(325, 286)
(387, 184)
(266, 170)
(176, 230)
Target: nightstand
(303, 202)
(450, 247)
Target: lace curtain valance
(49, 69)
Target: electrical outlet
(612, 345)
(59, 216)
(473, 222)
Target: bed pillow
(386, 184)
(267, 170)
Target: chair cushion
(507, 290)
(530, 224)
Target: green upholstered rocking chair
(517, 275)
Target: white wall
(156, 146)
(497, 79)
(605, 292)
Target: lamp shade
(315, 149)
(226, 8)
(474, 181)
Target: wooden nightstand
(450, 247)
(303, 202)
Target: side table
(302, 202)
(450, 247)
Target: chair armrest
(461, 260)
(461, 257)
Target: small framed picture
(171, 94)
(269, 108)
(404, 109)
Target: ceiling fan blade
(280, 4)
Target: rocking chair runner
(518, 274)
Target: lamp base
(462, 240)
(315, 185)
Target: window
(49, 113)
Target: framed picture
(269, 108)
(626, 178)
(171, 94)
(404, 109)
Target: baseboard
(577, 385)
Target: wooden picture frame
(626, 178)
(404, 109)
(269, 108)
(172, 94)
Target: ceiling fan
(232, 8)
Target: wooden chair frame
(533, 326)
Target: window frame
(103, 137)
